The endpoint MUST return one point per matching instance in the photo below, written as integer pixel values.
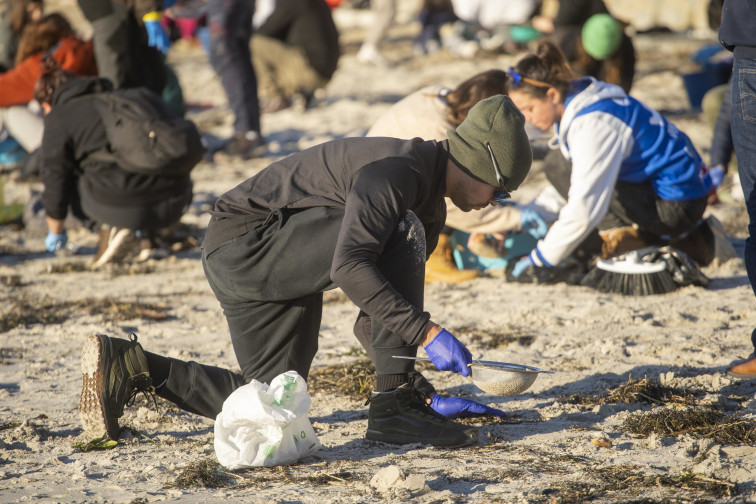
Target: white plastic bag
(263, 425)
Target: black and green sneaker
(402, 416)
(113, 371)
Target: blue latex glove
(457, 407)
(716, 173)
(54, 241)
(532, 223)
(520, 266)
(447, 353)
(157, 37)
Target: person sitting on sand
(295, 52)
(356, 213)
(430, 113)
(624, 168)
(50, 34)
(99, 191)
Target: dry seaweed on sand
(101, 443)
(496, 339)
(67, 267)
(620, 478)
(697, 422)
(21, 311)
(203, 474)
(354, 379)
(627, 483)
(635, 390)
(316, 474)
(116, 310)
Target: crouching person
(362, 214)
(87, 169)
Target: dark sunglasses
(500, 195)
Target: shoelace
(148, 391)
(416, 401)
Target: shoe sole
(742, 376)
(93, 411)
(471, 434)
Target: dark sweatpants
(270, 284)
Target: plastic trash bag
(263, 425)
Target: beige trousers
(282, 71)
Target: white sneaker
(151, 253)
(369, 54)
(114, 246)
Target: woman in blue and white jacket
(629, 165)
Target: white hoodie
(609, 136)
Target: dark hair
(471, 91)
(547, 66)
(52, 77)
(41, 35)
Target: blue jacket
(610, 136)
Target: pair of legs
(284, 70)
(121, 49)
(160, 213)
(230, 26)
(743, 133)
(24, 125)
(270, 284)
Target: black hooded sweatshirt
(73, 131)
(375, 181)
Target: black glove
(570, 272)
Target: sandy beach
(615, 422)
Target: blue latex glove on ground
(457, 407)
(520, 266)
(54, 241)
(447, 353)
(532, 223)
(716, 173)
(157, 37)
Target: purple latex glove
(457, 407)
(447, 353)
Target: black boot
(401, 416)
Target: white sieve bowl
(498, 378)
(501, 382)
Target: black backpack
(145, 135)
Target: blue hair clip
(516, 78)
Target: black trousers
(633, 204)
(142, 216)
(270, 282)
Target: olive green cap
(491, 144)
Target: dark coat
(737, 32)
(73, 131)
